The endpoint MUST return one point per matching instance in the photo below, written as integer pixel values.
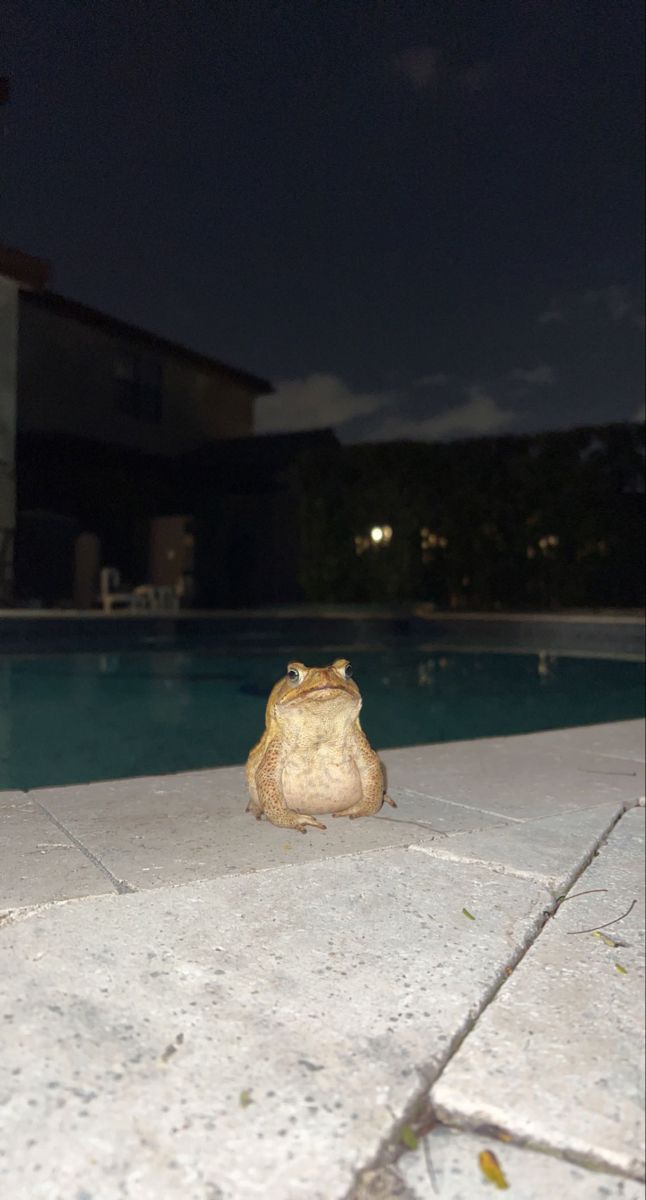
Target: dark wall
(44, 557)
(248, 519)
(107, 490)
(238, 492)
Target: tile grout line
(488, 812)
(419, 1109)
(120, 885)
(443, 853)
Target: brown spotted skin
(314, 757)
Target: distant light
(377, 533)
(432, 541)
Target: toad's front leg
(270, 796)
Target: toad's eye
(293, 674)
(347, 671)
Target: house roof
(27, 271)
(112, 325)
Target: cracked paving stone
(363, 967)
(558, 1057)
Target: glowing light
(432, 541)
(379, 535)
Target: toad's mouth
(320, 692)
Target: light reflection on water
(72, 718)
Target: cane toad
(314, 756)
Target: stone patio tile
(181, 828)
(558, 1057)
(514, 778)
(618, 739)
(453, 1158)
(38, 862)
(239, 1039)
(553, 850)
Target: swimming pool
(78, 717)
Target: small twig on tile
(607, 925)
(574, 894)
(561, 900)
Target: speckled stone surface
(551, 850)
(38, 861)
(261, 1032)
(558, 1057)
(616, 739)
(182, 828)
(519, 778)
(244, 1037)
(450, 1159)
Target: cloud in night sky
(615, 300)
(615, 303)
(441, 405)
(420, 65)
(591, 336)
(437, 379)
(425, 67)
(540, 376)
(315, 402)
(323, 401)
(479, 415)
(551, 316)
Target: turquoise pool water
(73, 718)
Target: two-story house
(88, 375)
(94, 416)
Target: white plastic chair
(110, 595)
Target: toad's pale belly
(320, 784)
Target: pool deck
(198, 1006)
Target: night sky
(419, 220)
